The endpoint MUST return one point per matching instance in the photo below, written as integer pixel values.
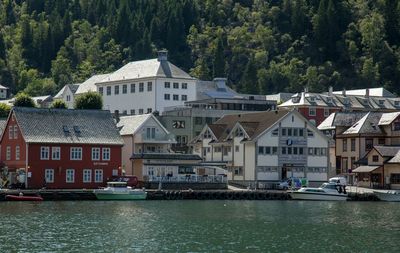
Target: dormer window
(397, 103)
(295, 99)
(239, 133)
(207, 135)
(329, 100)
(312, 99)
(381, 102)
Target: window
(283, 150)
(217, 149)
(344, 146)
(149, 86)
(275, 132)
(295, 132)
(375, 158)
(150, 133)
(140, 111)
(70, 176)
(108, 90)
(166, 97)
(17, 153)
(184, 86)
(11, 132)
(175, 97)
(184, 97)
(312, 111)
(116, 90)
(101, 91)
(149, 110)
(167, 85)
(381, 141)
(289, 132)
(55, 153)
(44, 153)
(310, 151)
(176, 85)
(237, 148)
(76, 153)
(124, 89)
(87, 176)
(15, 132)
(369, 143)
(295, 151)
(267, 150)
(98, 176)
(301, 132)
(396, 126)
(124, 112)
(69, 97)
(95, 154)
(238, 171)
(49, 175)
(326, 112)
(133, 87)
(310, 133)
(283, 131)
(141, 87)
(301, 151)
(261, 150)
(353, 145)
(8, 153)
(106, 154)
(227, 150)
(289, 150)
(133, 112)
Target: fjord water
(199, 226)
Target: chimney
(220, 82)
(305, 89)
(344, 92)
(367, 92)
(162, 55)
(116, 116)
(330, 92)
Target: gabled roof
(387, 151)
(341, 119)
(129, 125)
(366, 125)
(388, 118)
(72, 87)
(395, 159)
(67, 126)
(3, 87)
(144, 69)
(90, 84)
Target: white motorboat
(393, 196)
(119, 191)
(327, 191)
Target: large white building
(146, 86)
(265, 147)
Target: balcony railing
(189, 179)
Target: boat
(23, 198)
(327, 191)
(119, 191)
(393, 196)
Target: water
(199, 226)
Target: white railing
(190, 179)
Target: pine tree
(249, 79)
(219, 59)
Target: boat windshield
(329, 186)
(117, 184)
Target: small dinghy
(23, 198)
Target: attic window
(329, 100)
(77, 129)
(381, 102)
(65, 129)
(396, 103)
(312, 99)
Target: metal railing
(189, 179)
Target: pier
(87, 194)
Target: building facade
(262, 148)
(67, 94)
(60, 148)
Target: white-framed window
(15, 132)
(149, 110)
(175, 97)
(106, 154)
(8, 153)
(95, 154)
(55, 153)
(76, 153)
(140, 111)
(141, 87)
(49, 175)
(133, 87)
(124, 89)
(167, 85)
(87, 175)
(184, 97)
(70, 176)
(176, 85)
(44, 153)
(69, 97)
(133, 112)
(184, 86)
(17, 153)
(108, 90)
(98, 176)
(149, 86)
(167, 97)
(11, 132)
(116, 89)
(312, 111)
(101, 91)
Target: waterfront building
(67, 94)
(147, 151)
(60, 148)
(261, 148)
(316, 107)
(146, 86)
(214, 100)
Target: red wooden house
(60, 148)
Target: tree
(4, 110)
(24, 100)
(59, 104)
(91, 100)
(219, 59)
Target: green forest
(261, 46)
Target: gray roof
(144, 69)
(67, 126)
(341, 119)
(72, 87)
(388, 151)
(130, 124)
(395, 159)
(366, 125)
(3, 123)
(90, 84)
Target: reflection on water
(199, 226)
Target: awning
(366, 169)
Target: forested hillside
(262, 46)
